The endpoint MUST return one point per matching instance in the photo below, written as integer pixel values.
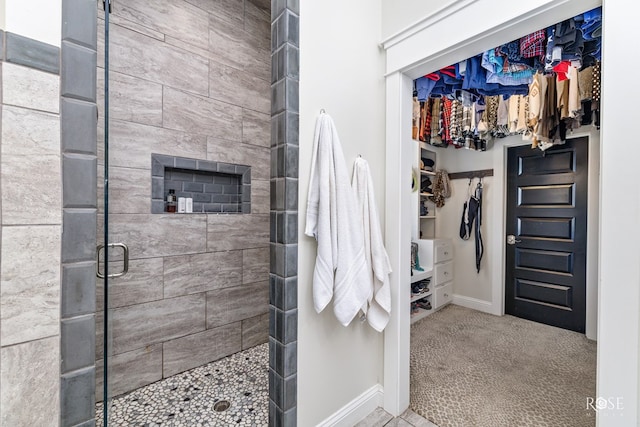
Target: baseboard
(357, 409)
(473, 303)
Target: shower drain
(221, 405)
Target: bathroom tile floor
(188, 399)
(381, 418)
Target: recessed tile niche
(215, 187)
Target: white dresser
(436, 259)
(442, 280)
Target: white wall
(36, 19)
(2, 14)
(399, 14)
(341, 70)
(467, 282)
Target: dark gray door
(547, 234)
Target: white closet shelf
(426, 194)
(427, 173)
(421, 275)
(421, 314)
(428, 217)
(421, 295)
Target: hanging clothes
(341, 271)
(514, 111)
(529, 73)
(457, 133)
(437, 122)
(415, 118)
(447, 107)
(425, 130)
(441, 188)
(595, 97)
(533, 45)
(502, 124)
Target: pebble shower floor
(187, 399)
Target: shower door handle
(125, 269)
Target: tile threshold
(380, 418)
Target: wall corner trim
(357, 409)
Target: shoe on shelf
(423, 303)
(414, 308)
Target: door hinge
(104, 5)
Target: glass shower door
(103, 251)
(178, 124)
(112, 257)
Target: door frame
(400, 217)
(593, 228)
(498, 241)
(410, 54)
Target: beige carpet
(473, 369)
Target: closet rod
(471, 174)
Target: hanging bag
(472, 214)
(465, 227)
(468, 215)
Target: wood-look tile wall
(188, 78)
(31, 204)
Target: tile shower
(189, 91)
(198, 397)
(189, 78)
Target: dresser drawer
(443, 272)
(442, 295)
(443, 251)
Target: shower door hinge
(104, 5)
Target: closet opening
(504, 229)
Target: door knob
(511, 240)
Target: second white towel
(379, 305)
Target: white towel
(332, 218)
(376, 255)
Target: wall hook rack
(471, 174)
